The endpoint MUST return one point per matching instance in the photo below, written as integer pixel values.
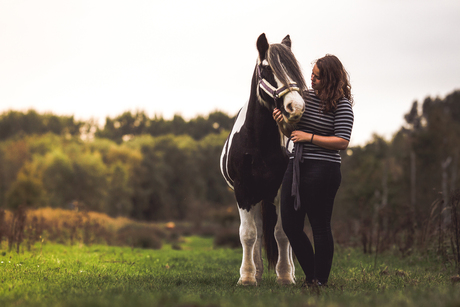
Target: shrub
(71, 227)
(141, 236)
(227, 238)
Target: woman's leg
(319, 184)
(293, 224)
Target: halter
(273, 92)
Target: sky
(99, 58)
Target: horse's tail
(269, 219)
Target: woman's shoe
(313, 284)
(309, 283)
(320, 284)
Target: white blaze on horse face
(293, 104)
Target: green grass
(198, 275)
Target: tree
(119, 192)
(25, 191)
(217, 191)
(441, 135)
(17, 123)
(13, 155)
(82, 178)
(127, 125)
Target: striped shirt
(337, 123)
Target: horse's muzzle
(293, 119)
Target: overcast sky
(98, 58)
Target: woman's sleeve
(343, 121)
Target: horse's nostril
(289, 108)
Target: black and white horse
(253, 159)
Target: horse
(254, 160)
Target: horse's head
(280, 80)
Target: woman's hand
(279, 119)
(300, 136)
(277, 116)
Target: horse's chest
(246, 158)
(259, 168)
(267, 167)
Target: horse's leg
(248, 237)
(258, 246)
(285, 269)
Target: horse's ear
(286, 41)
(262, 46)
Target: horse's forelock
(285, 65)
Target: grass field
(199, 275)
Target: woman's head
(331, 81)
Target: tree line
(405, 190)
(118, 129)
(157, 169)
(135, 166)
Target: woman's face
(315, 81)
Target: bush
(72, 227)
(141, 236)
(227, 238)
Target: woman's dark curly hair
(335, 82)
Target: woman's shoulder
(344, 107)
(310, 96)
(309, 92)
(344, 103)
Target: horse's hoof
(247, 282)
(285, 281)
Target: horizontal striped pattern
(338, 123)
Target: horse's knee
(247, 236)
(281, 236)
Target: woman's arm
(328, 142)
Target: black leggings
(319, 182)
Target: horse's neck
(261, 125)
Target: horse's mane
(285, 65)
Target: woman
(313, 175)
